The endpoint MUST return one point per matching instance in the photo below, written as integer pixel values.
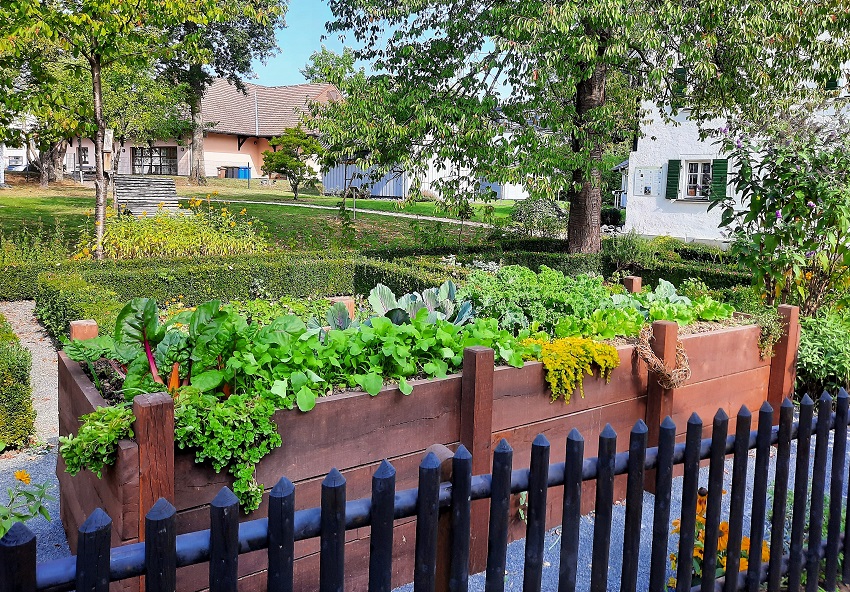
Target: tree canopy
(530, 92)
(292, 151)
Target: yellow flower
(744, 564)
(232, 224)
(249, 222)
(677, 525)
(243, 211)
(765, 551)
(23, 477)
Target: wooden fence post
(633, 283)
(86, 329)
(154, 430)
(659, 401)
(476, 429)
(783, 365)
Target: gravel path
(40, 459)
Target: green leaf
(371, 383)
(404, 386)
(305, 399)
(208, 381)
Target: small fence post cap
(82, 329)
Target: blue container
(244, 173)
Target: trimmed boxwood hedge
(16, 413)
(401, 276)
(99, 290)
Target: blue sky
(305, 25)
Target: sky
(305, 25)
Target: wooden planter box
(355, 432)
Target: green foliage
(793, 183)
(233, 433)
(64, 297)
(26, 501)
(823, 359)
(292, 149)
(570, 65)
(94, 445)
(239, 374)
(207, 230)
(441, 303)
(16, 412)
(519, 297)
(90, 290)
(540, 216)
(400, 275)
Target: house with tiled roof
(237, 128)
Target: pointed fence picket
(810, 553)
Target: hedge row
(98, 291)
(17, 416)
(402, 276)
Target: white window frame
(684, 178)
(84, 155)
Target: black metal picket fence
(810, 556)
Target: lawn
(69, 206)
(238, 190)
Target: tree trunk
(57, 164)
(584, 230)
(197, 166)
(99, 177)
(2, 164)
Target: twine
(668, 379)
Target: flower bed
(355, 431)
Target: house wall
(654, 215)
(14, 158)
(398, 185)
(221, 150)
(124, 154)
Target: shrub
(208, 229)
(823, 360)
(792, 215)
(64, 297)
(540, 216)
(611, 216)
(93, 290)
(401, 276)
(16, 412)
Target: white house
(668, 180)
(397, 184)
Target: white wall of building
(649, 212)
(397, 185)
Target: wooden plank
(783, 365)
(154, 430)
(659, 402)
(522, 396)
(386, 426)
(359, 482)
(724, 351)
(729, 392)
(475, 434)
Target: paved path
(363, 211)
(39, 460)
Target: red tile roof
(262, 111)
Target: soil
(110, 379)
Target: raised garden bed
(354, 432)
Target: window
(160, 160)
(697, 180)
(16, 160)
(84, 155)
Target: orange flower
(23, 477)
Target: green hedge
(99, 290)
(16, 412)
(401, 276)
(62, 297)
(17, 282)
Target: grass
(69, 206)
(237, 190)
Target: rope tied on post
(667, 378)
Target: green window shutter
(719, 178)
(832, 84)
(679, 87)
(674, 168)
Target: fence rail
(810, 557)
